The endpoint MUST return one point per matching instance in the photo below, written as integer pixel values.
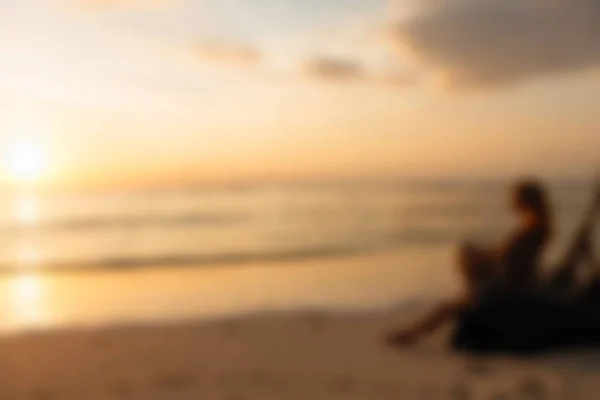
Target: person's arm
(441, 315)
(509, 245)
(478, 255)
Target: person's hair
(532, 197)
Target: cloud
(326, 68)
(335, 68)
(128, 4)
(341, 69)
(229, 53)
(499, 42)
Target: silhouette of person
(514, 264)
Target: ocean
(148, 256)
(208, 226)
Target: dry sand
(307, 355)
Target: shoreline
(37, 300)
(181, 262)
(293, 330)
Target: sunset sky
(155, 91)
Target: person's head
(531, 201)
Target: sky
(104, 92)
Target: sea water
(172, 253)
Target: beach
(266, 200)
(308, 355)
(294, 330)
(270, 293)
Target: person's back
(519, 258)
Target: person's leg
(442, 314)
(472, 271)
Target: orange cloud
(229, 53)
(134, 4)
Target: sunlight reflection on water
(26, 210)
(25, 291)
(27, 294)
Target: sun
(26, 161)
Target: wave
(125, 222)
(185, 260)
(425, 238)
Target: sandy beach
(308, 355)
(312, 331)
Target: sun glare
(26, 161)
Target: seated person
(514, 269)
(514, 263)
